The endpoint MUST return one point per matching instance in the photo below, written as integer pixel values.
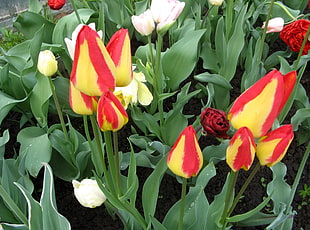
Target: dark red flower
(214, 122)
(56, 4)
(294, 33)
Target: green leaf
(151, 189)
(180, 60)
(215, 153)
(258, 219)
(3, 140)
(300, 116)
(35, 148)
(39, 99)
(215, 79)
(51, 219)
(35, 6)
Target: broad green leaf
(156, 224)
(29, 23)
(299, 117)
(35, 6)
(39, 99)
(35, 148)
(180, 60)
(215, 79)
(151, 189)
(51, 219)
(215, 153)
(3, 140)
(258, 219)
(7, 226)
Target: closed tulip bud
(144, 23)
(272, 147)
(88, 193)
(47, 64)
(216, 2)
(80, 102)
(120, 52)
(93, 70)
(240, 152)
(185, 157)
(56, 4)
(274, 25)
(111, 114)
(258, 106)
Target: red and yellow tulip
(120, 52)
(111, 114)
(185, 157)
(272, 147)
(258, 106)
(80, 102)
(240, 152)
(93, 70)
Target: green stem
(230, 4)
(100, 152)
(298, 176)
(182, 205)
(302, 48)
(111, 160)
(229, 192)
(158, 75)
(285, 10)
(76, 12)
(149, 39)
(59, 112)
(261, 48)
(116, 161)
(12, 205)
(243, 188)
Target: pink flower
(144, 23)
(274, 25)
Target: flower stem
(302, 48)
(229, 192)
(116, 161)
(243, 188)
(182, 205)
(151, 49)
(229, 13)
(59, 112)
(158, 75)
(75, 10)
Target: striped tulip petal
(120, 52)
(93, 70)
(258, 106)
(272, 147)
(240, 152)
(111, 114)
(185, 157)
(80, 102)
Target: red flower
(294, 33)
(56, 4)
(214, 122)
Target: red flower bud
(214, 122)
(294, 33)
(56, 4)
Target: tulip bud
(56, 4)
(47, 64)
(144, 23)
(272, 147)
(258, 106)
(80, 102)
(88, 193)
(274, 25)
(120, 52)
(240, 152)
(214, 122)
(111, 114)
(93, 70)
(216, 2)
(185, 157)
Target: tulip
(272, 147)
(274, 25)
(165, 12)
(216, 2)
(88, 193)
(240, 152)
(135, 92)
(93, 70)
(56, 4)
(47, 64)
(120, 52)
(80, 102)
(111, 114)
(185, 157)
(144, 23)
(258, 106)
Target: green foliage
(10, 38)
